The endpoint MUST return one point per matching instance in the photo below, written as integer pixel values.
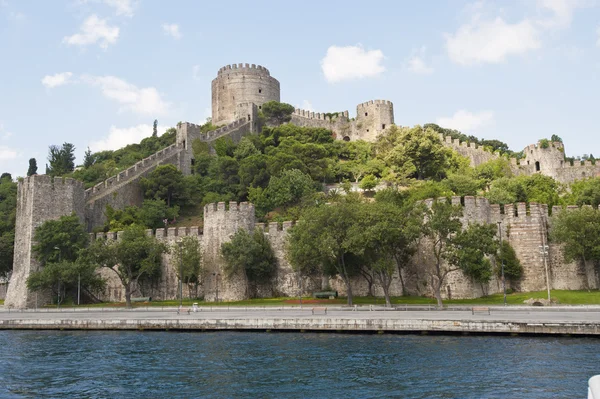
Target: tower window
(366, 114)
(537, 166)
(260, 107)
(367, 130)
(260, 90)
(382, 126)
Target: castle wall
(123, 189)
(39, 198)
(241, 83)
(476, 154)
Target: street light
(502, 262)
(58, 298)
(544, 253)
(180, 244)
(217, 275)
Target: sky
(97, 73)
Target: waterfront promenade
(511, 320)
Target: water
(84, 364)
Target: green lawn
(561, 296)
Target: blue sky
(98, 72)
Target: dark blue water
(37, 364)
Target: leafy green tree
(512, 266)
(163, 183)
(556, 138)
(586, 192)
(188, 257)
(579, 232)
(470, 250)
(322, 240)
(150, 215)
(368, 183)
(277, 113)
(245, 149)
(441, 225)
(61, 159)
(58, 244)
(32, 170)
(463, 184)
(413, 153)
(134, 256)
(492, 170)
(388, 234)
(224, 146)
(249, 254)
(155, 128)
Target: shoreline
(499, 321)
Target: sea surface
(85, 364)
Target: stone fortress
(238, 92)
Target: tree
(389, 235)
(249, 254)
(277, 113)
(586, 192)
(512, 266)
(32, 170)
(134, 256)
(323, 240)
(579, 232)
(155, 128)
(189, 262)
(163, 183)
(556, 138)
(6, 176)
(441, 225)
(58, 245)
(470, 250)
(62, 159)
(368, 183)
(414, 153)
(88, 158)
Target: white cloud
(7, 153)
(417, 64)
(172, 30)
(486, 39)
(122, 7)
(94, 30)
(307, 106)
(351, 62)
(144, 101)
(466, 121)
(490, 41)
(56, 80)
(120, 137)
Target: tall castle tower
(372, 118)
(241, 83)
(546, 159)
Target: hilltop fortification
(238, 92)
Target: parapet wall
(476, 154)
(246, 68)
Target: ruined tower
(238, 84)
(546, 159)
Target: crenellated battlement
(222, 131)
(231, 207)
(159, 234)
(53, 182)
(373, 102)
(244, 67)
(317, 115)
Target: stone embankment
(499, 321)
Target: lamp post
(180, 244)
(502, 262)
(58, 289)
(217, 275)
(544, 253)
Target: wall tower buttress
(220, 224)
(372, 118)
(39, 198)
(241, 83)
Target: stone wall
(39, 198)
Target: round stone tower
(238, 84)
